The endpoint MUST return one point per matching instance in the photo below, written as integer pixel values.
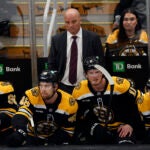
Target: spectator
(8, 107)
(144, 108)
(88, 43)
(46, 114)
(140, 8)
(129, 39)
(107, 113)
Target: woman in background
(129, 39)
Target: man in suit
(88, 44)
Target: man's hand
(125, 130)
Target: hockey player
(144, 108)
(108, 112)
(46, 114)
(8, 107)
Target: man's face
(72, 23)
(94, 76)
(47, 90)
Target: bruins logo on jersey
(5, 83)
(35, 92)
(136, 49)
(78, 86)
(129, 50)
(119, 80)
(102, 114)
(140, 99)
(46, 129)
(71, 101)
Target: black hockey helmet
(49, 76)
(148, 84)
(89, 62)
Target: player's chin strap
(111, 83)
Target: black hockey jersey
(96, 107)
(43, 120)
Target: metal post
(33, 43)
(65, 4)
(51, 26)
(148, 30)
(45, 27)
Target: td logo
(46, 66)
(1, 69)
(118, 66)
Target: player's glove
(17, 138)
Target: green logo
(118, 66)
(1, 69)
(46, 65)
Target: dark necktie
(73, 62)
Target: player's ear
(55, 86)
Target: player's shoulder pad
(121, 84)
(6, 87)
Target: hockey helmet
(148, 84)
(49, 76)
(90, 62)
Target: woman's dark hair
(122, 35)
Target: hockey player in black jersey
(108, 112)
(144, 108)
(46, 114)
(8, 108)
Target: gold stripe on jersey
(70, 131)
(147, 125)
(3, 130)
(23, 110)
(113, 126)
(9, 111)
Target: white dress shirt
(80, 71)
